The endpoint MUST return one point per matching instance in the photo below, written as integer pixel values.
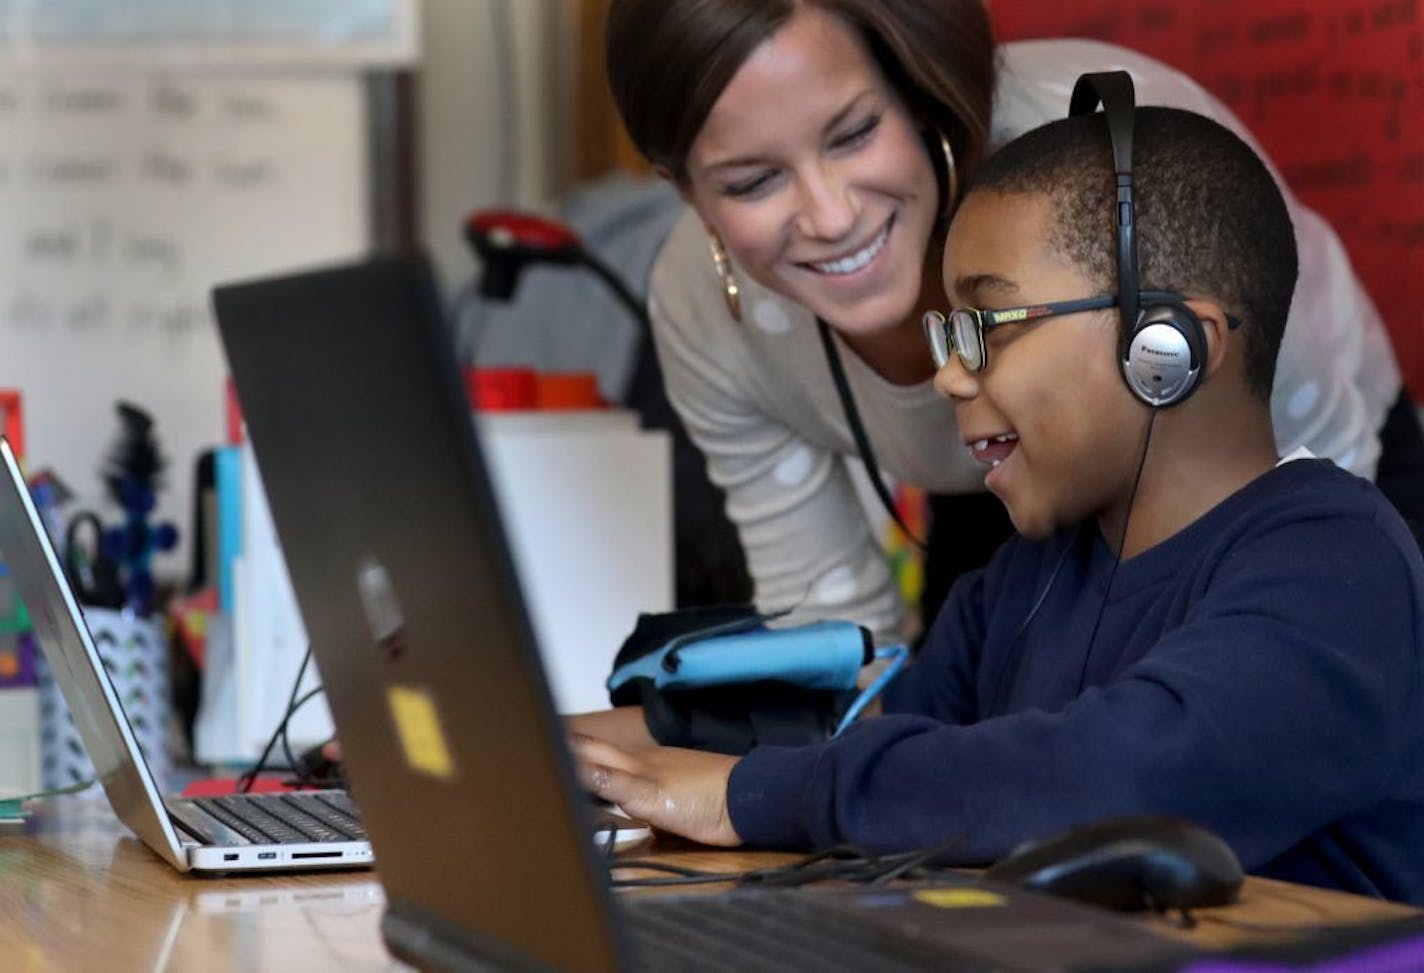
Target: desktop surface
(77, 892)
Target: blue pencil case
(742, 648)
(719, 678)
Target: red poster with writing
(1334, 91)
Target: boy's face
(1049, 415)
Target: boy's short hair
(1210, 218)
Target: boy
(1188, 624)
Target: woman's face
(812, 171)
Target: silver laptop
(391, 530)
(262, 832)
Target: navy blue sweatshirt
(1259, 672)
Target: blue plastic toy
(133, 475)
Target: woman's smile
(858, 259)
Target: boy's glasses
(963, 331)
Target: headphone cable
(1117, 557)
(1008, 674)
(898, 655)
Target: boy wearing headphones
(1188, 623)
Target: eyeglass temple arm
(1054, 308)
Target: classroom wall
(492, 89)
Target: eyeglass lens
(964, 324)
(937, 334)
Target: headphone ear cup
(1162, 358)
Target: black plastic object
(1128, 864)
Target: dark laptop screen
(380, 496)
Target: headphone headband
(1115, 91)
(1162, 346)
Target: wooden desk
(77, 892)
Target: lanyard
(857, 431)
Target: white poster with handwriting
(122, 202)
(207, 32)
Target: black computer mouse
(1128, 864)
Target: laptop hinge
(191, 826)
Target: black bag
(730, 718)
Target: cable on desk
(680, 876)
(915, 862)
(245, 782)
(1179, 916)
(843, 863)
(304, 777)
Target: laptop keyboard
(287, 819)
(774, 931)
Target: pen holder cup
(136, 658)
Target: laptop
(264, 832)
(385, 511)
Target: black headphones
(1162, 345)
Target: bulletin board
(1332, 89)
(145, 158)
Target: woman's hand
(682, 791)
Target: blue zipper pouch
(719, 679)
(721, 651)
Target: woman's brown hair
(668, 62)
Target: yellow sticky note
(959, 898)
(418, 727)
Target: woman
(819, 145)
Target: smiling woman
(832, 206)
(819, 144)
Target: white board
(208, 32)
(123, 199)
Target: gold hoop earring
(723, 264)
(951, 181)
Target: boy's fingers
(589, 750)
(607, 771)
(594, 777)
(633, 794)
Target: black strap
(857, 431)
(1118, 96)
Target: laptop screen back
(388, 523)
(77, 667)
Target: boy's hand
(682, 791)
(623, 727)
